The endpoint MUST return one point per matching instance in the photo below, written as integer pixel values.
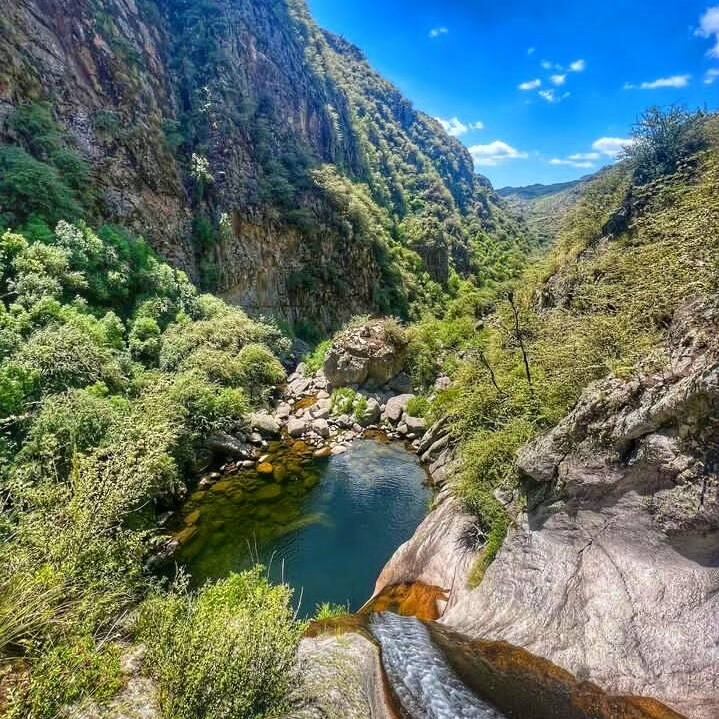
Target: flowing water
(424, 683)
(325, 527)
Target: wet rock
(268, 492)
(265, 423)
(225, 445)
(402, 429)
(322, 453)
(265, 468)
(339, 449)
(396, 407)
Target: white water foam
(426, 686)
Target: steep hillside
(583, 417)
(257, 152)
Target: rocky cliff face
(611, 571)
(252, 149)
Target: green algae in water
(327, 529)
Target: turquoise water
(327, 528)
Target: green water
(327, 527)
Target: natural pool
(327, 527)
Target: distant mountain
(534, 192)
(544, 206)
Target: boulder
(370, 414)
(417, 425)
(368, 354)
(615, 555)
(225, 445)
(320, 427)
(265, 423)
(396, 407)
(296, 427)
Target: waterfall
(426, 686)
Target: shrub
(226, 651)
(31, 188)
(344, 400)
(663, 139)
(66, 674)
(64, 356)
(418, 407)
(316, 359)
(260, 369)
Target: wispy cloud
(456, 128)
(611, 146)
(578, 66)
(558, 80)
(582, 164)
(585, 156)
(549, 65)
(436, 32)
(530, 85)
(552, 96)
(495, 153)
(531, 50)
(709, 28)
(675, 81)
(711, 76)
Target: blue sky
(478, 65)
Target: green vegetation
(227, 651)
(598, 304)
(114, 370)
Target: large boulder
(396, 407)
(265, 424)
(371, 354)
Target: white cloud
(495, 153)
(584, 156)
(711, 76)
(675, 81)
(558, 80)
(611, 146)
(547, 65)
(531, 50)
(583, 164)
(456, 128)
(530, 85)
(436, 32)
(709, 28)
(552, 96)
(578, 66)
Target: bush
(259, 369)
(663, 139)
(66, 674)
(418, 407)
(226, 651)
(315, 361)
(31, 188)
